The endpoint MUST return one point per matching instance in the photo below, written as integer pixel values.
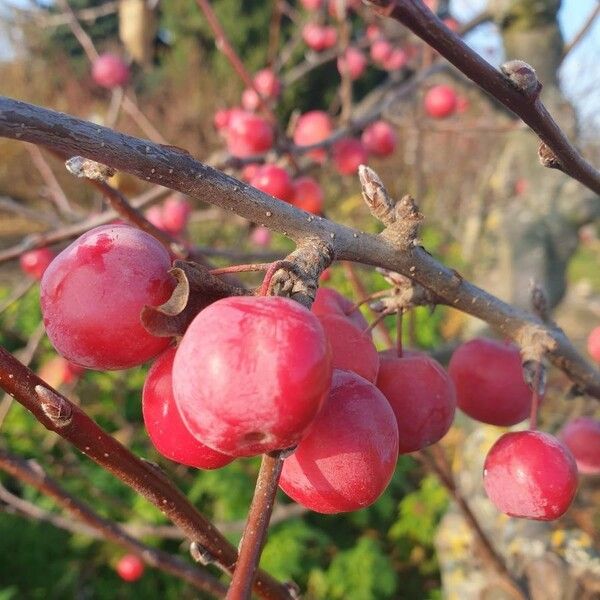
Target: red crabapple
(582, 437)
(351, 349)
(396, 60)
(155, 215)
(311, 4)
(379, 139)
(261, 236)
(353, 62)
(273, 180)
(250, 99)
(59, 371)
(130, 567)
(422, 397)
(593, 344)
(176, 213)
(256, 384)
(221, 119)
(489, 382)
(110, 71)
(440, 101)
(381, 50)
(35, 262)
(530, 474)
(163, 421)
(348, 154)
(93, 292)
(312, 128)
(373, 33)
(348, 458)
(267, 83)
(250, 170)
(329, 301)
(308, 195)
(248, 134)
(319, 37)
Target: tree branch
(175, 168)
(32, 474)
(60, 415)
(423, 23)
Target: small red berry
(130, 567)
(110, 71)
(312, 128)
(275, 181)
(440, 101)
(582, 437)
(308, 195)
(248, 134)
(348, 154)
(530, 474)
(379, 139)
(353, 62)
(176, 213)
(593, 344)
(35, 262)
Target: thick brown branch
(421, 21)
(178, 170)
(23, 385)
(32, 474)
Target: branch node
(522, 76)
(539, 301)
(89, 169)
(201, 555)
(548, 158)
(56, 408)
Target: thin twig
(582, 32)
(32, 474)
(255, 532)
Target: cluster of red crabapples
(259, 374)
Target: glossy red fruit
(530, 474)
(352, 62)
(59, 371)
(308, 195)
(312, 128)
(380, 139)
(176, 213)
(256, 384)
(164, 424)
(351, 349)
(593, 344)
(440, 101)
(348, 458)
(110, 71)
(248, 134)
(422, 397)
(275, 181)
(489, 382)
(348, 154)
(582, 437)
(130, 567)
(93, 292)
(35, 262)
(329, 301)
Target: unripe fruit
(440, 101)
(530, 474)
(489, 382)
(379, 139)
(130, 567)
(110, 71)
(422, 397)
(311, 128)
(348, 154)
(273, 180)
(176, 212)
(593, 344)
(93, 292)
(308, 195)
(256, 384)
(353, 62)
(248, 134)
(582, 437)
(329, 301)
(348, 458)
(164, 424)
(35, 262)
(351, 349)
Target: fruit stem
(373, 296)
(257, 524)
(536, 397)
(377, 320)
(272, 268)
(241, 268)
(399, 350)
